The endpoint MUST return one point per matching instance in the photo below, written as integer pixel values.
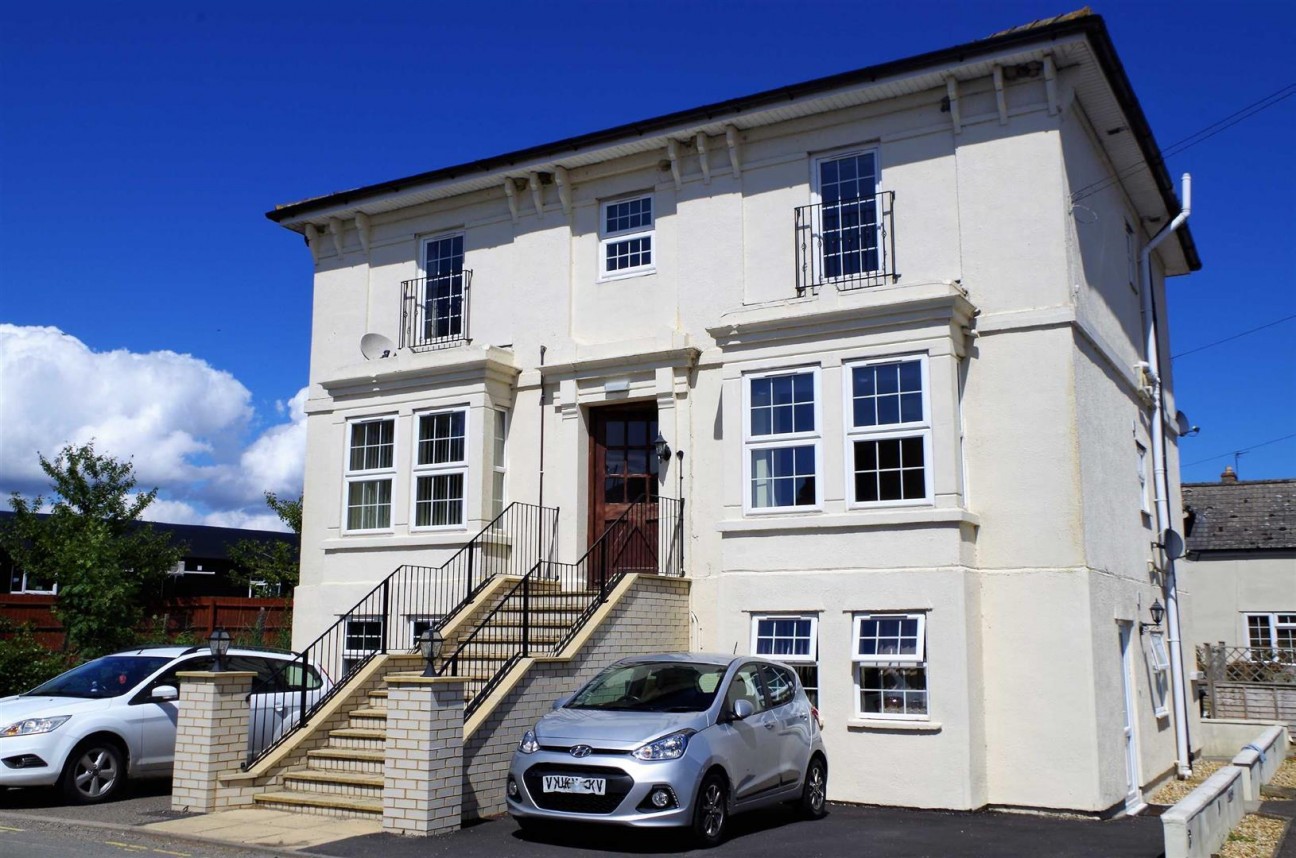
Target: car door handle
(769, 725)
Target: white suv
(90, 728)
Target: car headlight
(529, 745)
(670, 747)
(32, 726)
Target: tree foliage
(24, 661)
(106, 562)
(272, 566)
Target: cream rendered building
(891, 319)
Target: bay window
(440, 469)
(782, 440)
(888, 429)
(370, 471)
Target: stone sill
(856, 519)
(883, 725)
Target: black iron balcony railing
(434, 311)
(848, 243)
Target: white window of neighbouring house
(499, 448)
(23, 582)
(1272, 635)
(890, 655)
(440, 469)
(362, 637)
(443, 298)
(849, 224)
(626, 234)
(782, 440)
(794, 640)
(888, 432)
(371, 467)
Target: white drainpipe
(1162, 486)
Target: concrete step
(328, 782)
(358, 739)
(346, 760)
(325, 805)
(368, 719)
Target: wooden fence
(259, 622)
(1251, 684)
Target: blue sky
(146, 302)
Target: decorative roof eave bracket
(672, 152)
(364, 230)
(951, 90)
(510, 191)
(735, 159)
(337, 230)
(537, 193)
(1050, 85)
(563, 179)
(1001, 99)
(704, 160)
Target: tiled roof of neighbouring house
(1255, 515)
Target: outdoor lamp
(219, 644)
(1157, 610)
(429, 646)
(663, 449)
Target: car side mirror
(163, 693)
(560, 702)
(742, 709)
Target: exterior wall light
(219, 644)
(1158, 614)
(429, 646)
(663, 449)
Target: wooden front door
(623, 473)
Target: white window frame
(816, 198)
(412, 622)
(608, 238)
(349, 654)
(439, 469)
(499, 461)
(903, 661)
(792, 659)
(755, 443)
(370, 475)
(890, 431)
(1159, 660)
(422, 298)
(1145, 504)
(26, 588)
(1274, 620)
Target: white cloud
(181, 422)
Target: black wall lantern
(663, 449)
(1158, 614)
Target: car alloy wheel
(94, 773)
(815, 792)
(712, 811)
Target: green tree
(272, 566)
(106, 562)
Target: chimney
(1229, 476)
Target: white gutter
(1161, 483)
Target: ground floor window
(1272, 635)
(363, 637)
(890, 655)
(794, 640)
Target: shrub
(24, 661)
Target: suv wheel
(95, 772)
(711, 812)
(814, 793)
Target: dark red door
(623, 490)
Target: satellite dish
(1171, 543)
(375, 346)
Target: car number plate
(580, 786)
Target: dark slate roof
(209, 543)
(1250, 515)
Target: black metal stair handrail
(544, 611)
(412, 598)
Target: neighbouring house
(1240, 566)
(198, 595)
(859, 360)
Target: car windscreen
(652, 687)
(110, 676)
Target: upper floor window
(442, 300)
(370, 470)
(626, 233)
(889, 431)
(440, 469)
(849, 222)
(783, 440)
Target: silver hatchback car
(677, 739)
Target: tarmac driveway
(878, 832)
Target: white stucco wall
(1226, 587)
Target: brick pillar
(211, 737)
(423, 774)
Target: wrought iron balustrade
(847, 243)
(434, 311)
